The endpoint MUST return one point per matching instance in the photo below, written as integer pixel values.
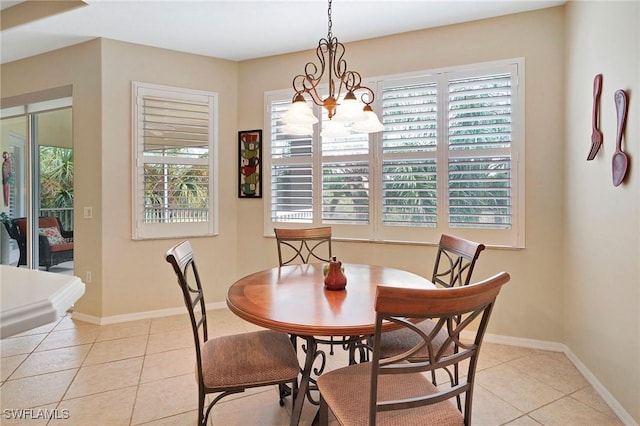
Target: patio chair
(55, 243)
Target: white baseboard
(140, 315)
(524, 343)
(615, 406)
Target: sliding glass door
(14, 184)
(37, 148)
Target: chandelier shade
(334, 129)
(352, 110)
(370, 125)
(300, 113)
(298, 129)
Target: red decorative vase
(335, 278)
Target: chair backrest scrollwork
(303, 245)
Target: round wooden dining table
(293, 299)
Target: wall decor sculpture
(620, 161)
(596, 134)
(250, 169)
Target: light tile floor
(141, 372)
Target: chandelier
(352, 112)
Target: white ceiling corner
(242, 29)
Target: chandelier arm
(365, 94)
(352, 80)
(303, 84)
(339, 66)
(315, 97)
(323, 45)
(308, 82)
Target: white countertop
(30, 298)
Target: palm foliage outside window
(56, 177)
(448, 160)
(56, 184)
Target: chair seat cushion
(53, 235)
(398, 341)
(346, 391)
(249, 359)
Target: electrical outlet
(88, 277)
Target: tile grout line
(77, 370)
(144, 359)
(47, 333)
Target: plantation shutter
(291, 171)
(409, 189)
(174, 148)
(449, 160)
(345, 179)
(479, 151)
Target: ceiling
(236, 29)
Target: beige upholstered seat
(230, 364)
(402, 392)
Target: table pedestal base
(307, 383)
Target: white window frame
(375, 230)
(140, 229)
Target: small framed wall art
(250, 168)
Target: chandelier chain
(330, 23)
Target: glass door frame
(31, 159)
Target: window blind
(174, 144)
(409, 143)
(479, 136)
(449, 160)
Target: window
(174, 144)
(450, 160)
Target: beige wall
(602, 222)
(531, 305)
(137, 276)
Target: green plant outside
(56, 177)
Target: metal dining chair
(230, 364)
(392, 391)
(303, 245)
(455, 261)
